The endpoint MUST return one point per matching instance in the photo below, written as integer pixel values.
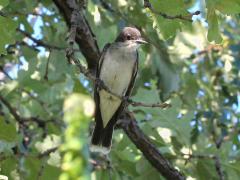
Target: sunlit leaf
(7, 31)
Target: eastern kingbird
(117, 68)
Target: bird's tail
(101, 139)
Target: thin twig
(22, 120)
(42, 103)
(47, 152)
(41, 169)
(216, 159)
(160, 105)
(199, 156)
(42, 43)
(219, 168)
(101, 85)
(39, 42)
(188, 17)
(5, 73)
(11, 109)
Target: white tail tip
(101, 149)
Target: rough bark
(84, 37)
(89, 48)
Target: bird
(117, 69)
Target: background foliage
(194, 65)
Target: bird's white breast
(116, 73)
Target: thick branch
(151, 153)
(131, 128)
(84, 35)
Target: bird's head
(130, 37)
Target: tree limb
(84, 35)
(88, 45)
(151, 153)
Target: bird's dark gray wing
(101, 59)
(132, 82)
(96, 136)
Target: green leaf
(32, 165)
(233, 169)
(179, 127)
(206, 169)
(213, 30)
(7, 166)
(3, 3)
(167, 27)
(57, 68)
(190, 90)
(50, 172)
(128, 167)
(147, 96)
(169, 76)
(170, 7)
(7, 31)
(6, 147)
(8, 88)
(7, 131)
(226, 7)
(30, 5)
(127, 155)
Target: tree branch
(42, 103)
(151, 153)
(23, 120)
(188, 17)
(40, 42)
(11, 110)
(47, 152)
(84, 34)
(216, 159)
(101, 85)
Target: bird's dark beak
(141, 41)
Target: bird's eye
(128, 37)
